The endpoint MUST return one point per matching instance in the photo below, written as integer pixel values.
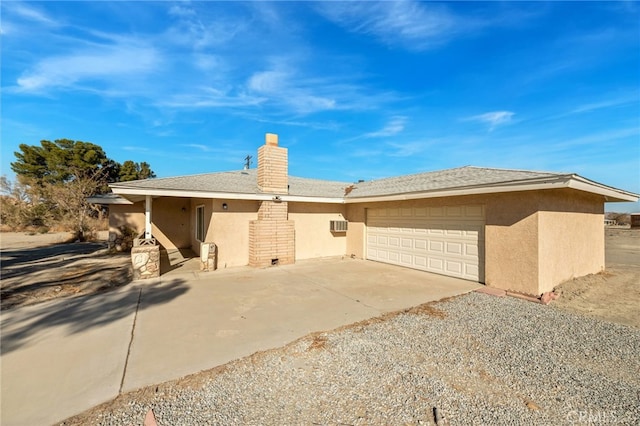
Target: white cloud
(182, 11)
(200, 32)
(318, 125)
(203, 148)
(493, 119)
(609, 103)
(604, 138)
(268, 81)
(208, 62)
(209, 97)
(189, 65)
(292, 86)
(415, 25)
(306, 103)
(406, 149)
(303, 94)
(393, 127)
(19, 19)
(30, 13)
(419, 25)
(107, 63)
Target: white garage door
(444, 240)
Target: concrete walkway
(62, 357)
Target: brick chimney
(273, 166)
(272, 235)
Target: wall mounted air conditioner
(338, 225)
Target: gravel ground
(476, 359)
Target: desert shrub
(20, 216)
(123, 239)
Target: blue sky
(355, 90)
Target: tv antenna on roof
(247, 162)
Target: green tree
(58, 177)
(31, 161)
(130, 170)
(59, 161)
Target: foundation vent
(338, 225)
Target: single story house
(523, 231)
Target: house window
(200, 223)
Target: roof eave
(611, 195)
(109, 201)
(565, 181)
(572, 181)
(561, 182)
(136, 192)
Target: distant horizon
(355, 90)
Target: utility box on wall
(208, 257)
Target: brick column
(272, 236)
(273, 167)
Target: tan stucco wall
(170, 223)
(511, 241)
(357, 231)
(127, 215)
(312, 234)
(571, 240)
(534, 240)
(230, 230)
(174, 228)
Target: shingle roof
(242, 184)
(316, 187)
(245, 182)
(239, 182)
(461, 177)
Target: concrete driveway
(62, 357)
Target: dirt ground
(613, 295)
(39, 267)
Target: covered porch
(174, 261)
(160, 233)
